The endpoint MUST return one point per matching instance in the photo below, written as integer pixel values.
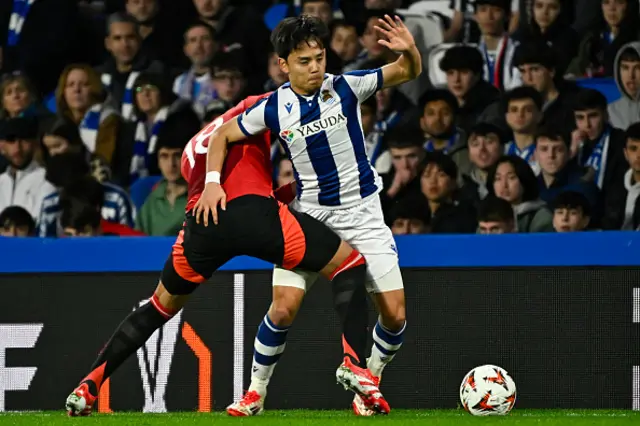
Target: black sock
(130, 335)
(350, 301)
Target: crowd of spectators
(98, 99)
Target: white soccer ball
(488, 390)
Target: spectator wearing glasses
(15, 221)
(229, 77)
(513, 180)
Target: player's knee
(393, 316)
(282, 313)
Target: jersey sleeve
(252, 121)
(364, 83)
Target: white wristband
(212, 177)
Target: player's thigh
(292, 278)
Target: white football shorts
(364, 229)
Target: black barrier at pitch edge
(565, 335)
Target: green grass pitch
(329, 418)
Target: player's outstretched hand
(212, 195)
(399, 38)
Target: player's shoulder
(246, 104)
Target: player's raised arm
(398, 38)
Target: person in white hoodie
(622, 204)
(23, 183)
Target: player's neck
(522, 140)
(300, 91)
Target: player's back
(247, 168)
(323, 136)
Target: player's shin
(350, 302)
(130, 335)
(268, 346)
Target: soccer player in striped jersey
(317, 118)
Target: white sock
(385, 345)
(268, 346)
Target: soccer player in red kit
(251, 222)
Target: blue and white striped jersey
(322, 135)
(117, 207)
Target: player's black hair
(534, 52)
(494, 209)
(520, 93)
(462, 57)
(292, 32)
(19, 217)
(572, 200)
(554, 132)
(528, 180)
(632, 133)
(79, 215)
(404, 137)
(439, 95)
(589, 99)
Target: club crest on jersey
(313, 128)
(327, 97)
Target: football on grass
(488, 390)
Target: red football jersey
(247, 168)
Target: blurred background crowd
(503, 132)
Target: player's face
(591, 122)
(18, 152)
(436, 185)
(208, 8)
(567, 219)
(495, 228)
(142, 10)
(545, 12)
(148, 99)
(285, 173)
(437, 118)
(536, 76)
(15, 98)
(320, 9)
(369, 39)
(632, 154)
(484, 151)
(11, 230)
(169, 163)
(551, 155)
(275, 73)
(405, 226)
(368, 119)
(507, 185)
(123, 42)
(306, 66)
(614, 11)
(490, 19)
(459, 82)
(229, 85)
(344, 42)
(630, 77)
(198, 46)
(77, 91)
(522, 115)
(55, 145)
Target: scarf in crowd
(633, 191)
(145, 145)
(374, 141)
(18, 16)
(526, 154)
(188, 86)
(126, 110)
(598, 158)
(429, 146)
(90, 124)
(494, 69)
